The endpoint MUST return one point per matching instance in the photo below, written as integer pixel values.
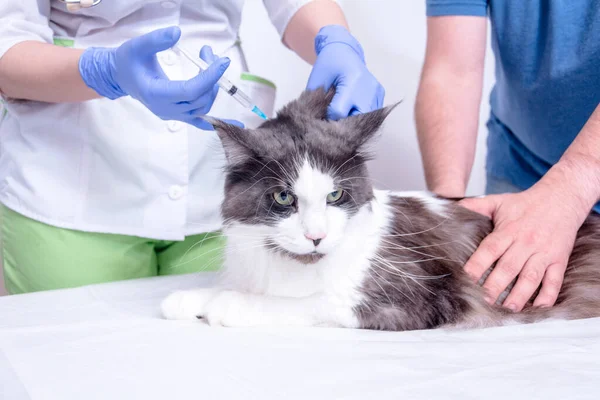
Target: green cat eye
(335, 196)
(284, 198)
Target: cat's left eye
(284, 198)
(335, 196)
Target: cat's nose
(316, 238)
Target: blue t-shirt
(547, 79)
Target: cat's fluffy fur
(391, 261)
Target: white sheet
(108, 342)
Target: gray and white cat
(310, 242)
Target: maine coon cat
(311, 242)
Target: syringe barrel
(242, 98)
(223, 82)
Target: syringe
(224, 84)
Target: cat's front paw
(187, 304)
(232, 309)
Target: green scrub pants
(39, 257)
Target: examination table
(109, 342)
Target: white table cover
(109, 342)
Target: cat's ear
(234, 140)
(361, 128)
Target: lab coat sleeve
(22, 20)
(282, 11)
(437, 8)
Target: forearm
(447, 117)
(43, 72)
(448, 100)
(306, 23)
(576, 176)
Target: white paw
(232, 309)
(186, 304)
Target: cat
(310, 242)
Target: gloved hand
(133, 69)
(341, 63)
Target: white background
(393, 34)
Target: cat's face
(299, 179)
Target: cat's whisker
(444, 220)
(221, 234)
(419, 232)
(263, 193)
(413, 276)
(255, 183)
(381, 184)
(242, 235)
(258, 244)
(396, 246)
(393, 286)
(213, 236)
(405, 217)
(219, 257)
(211, 226)
(378, 284)
(392, 269)
(285, 172)
(381, 263)
(270, 208)
(352, 197)
(206, 264)
(417, 261)
(265, 165)
(406, 276)
(200, 242)
(391, 250)
(334, 173)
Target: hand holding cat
(533, 236)
(341, 63)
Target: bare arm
(448, 100)
(305, 24)
(577, 173)
(44, 72)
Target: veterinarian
(108, 171)
(543, 146)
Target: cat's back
(419, 218)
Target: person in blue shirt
(543, 146)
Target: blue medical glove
(133, 69)
(341, 63)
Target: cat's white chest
(261, 271)
(253, 268)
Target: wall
(393, 35)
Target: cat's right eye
(284, 198)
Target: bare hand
(534, 233)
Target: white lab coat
(112, 166)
